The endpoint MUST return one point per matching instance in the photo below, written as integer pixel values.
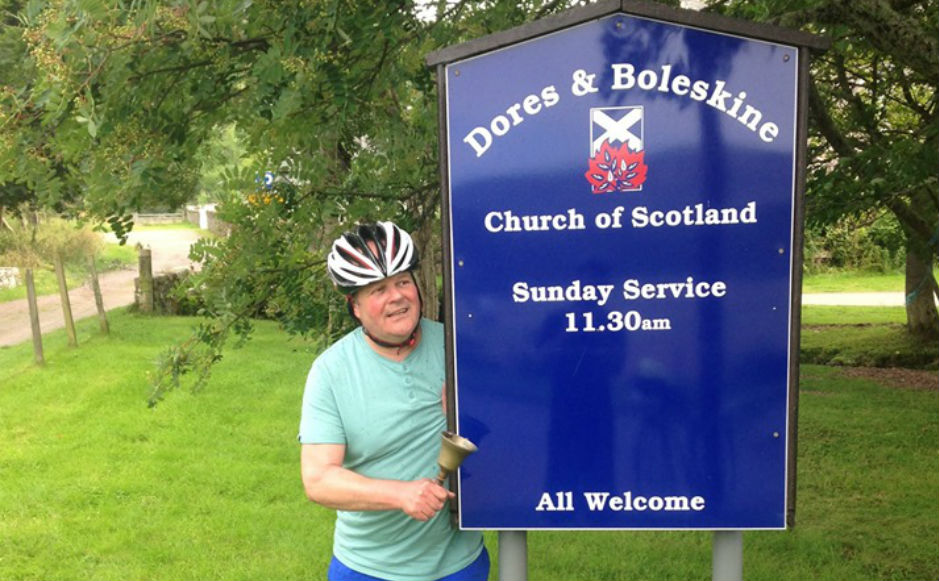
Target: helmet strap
(409, 342)
(412, 338)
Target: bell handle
(441, 477)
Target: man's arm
(327, 483)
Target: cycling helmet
(352, 264)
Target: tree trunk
(922, 319)
(920, 223)
(34, 318)
(66, 305)
(427, 273)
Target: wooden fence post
(66, 305)
(34, 317)
(145, 282)
(99, 300)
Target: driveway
(169, 251)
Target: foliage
(333, 97)
(35, 246)
(109, 106)
(871, 242)
(221, 154)
(874, 112)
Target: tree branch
(174, 69)
(826, 126)
(862, 114)
(918, 221)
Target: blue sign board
(622, 224)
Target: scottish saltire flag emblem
(616, 150)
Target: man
(372, 419)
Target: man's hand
(421, 499)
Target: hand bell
(453, 450)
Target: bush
(73, 242)
(864, 242)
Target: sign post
(622, 230)
(513, 556)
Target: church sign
(622, 219)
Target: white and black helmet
(352, 264)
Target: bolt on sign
(622, 215)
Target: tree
(875, 126)
(348, 124)
(118, 101)
(331, 95)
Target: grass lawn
(852, 281)
(98, 486)
(838, 281)
(817, 315)
(863, 336)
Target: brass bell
(453, 451)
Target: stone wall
(165, 300)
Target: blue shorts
(478, 570)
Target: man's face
(388, 309)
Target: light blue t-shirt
(389, 416)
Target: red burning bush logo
(618, 159)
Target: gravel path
(170, 250)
